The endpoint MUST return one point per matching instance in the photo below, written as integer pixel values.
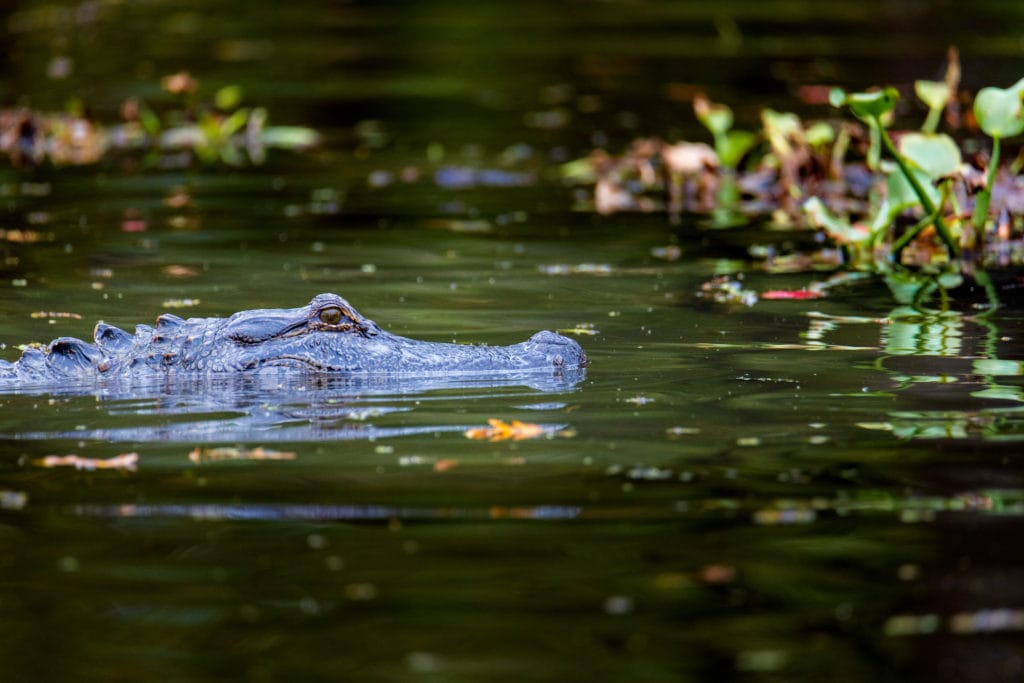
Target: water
(783, 491)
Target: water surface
(771, 492)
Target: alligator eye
(331, 315)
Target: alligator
(328, 337)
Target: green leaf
(837, 97)
(289, 137)
(820, 134)
(234, 123)
(228, 97)
(998, 110)
(578, 171)
(717, 118)
(900, 196)
(733, 145)
(866, 105)
(935, 94)
(150, 121)
(934, 153)
(899, 191)
(838, 228)
(908, 287)
(781, 127)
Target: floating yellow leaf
(19, 236)
(503, 431)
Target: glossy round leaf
(872, 104)
(934, 153)
(934, 94)
(998, 110)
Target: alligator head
(330, 335)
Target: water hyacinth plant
(884, 194)
(218, 131)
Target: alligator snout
(559, 349)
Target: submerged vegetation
(216, 131)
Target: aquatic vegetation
(219, 131)
(885, 196)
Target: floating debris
(773, 517)
(717, 574)
(478, 226)
(649, 473)
(993, 620)
(181, 303)
(578, 269)
(56, 314)
(445, 464)
(201, 455)
(724, 290)
(671, 252)
(178, 271)
(415, 460)
(678, 431)
(793, 294)
(124, 461)
(18, 236)
(987, 621)
(13, 500)
(618, 605)
(504, 431)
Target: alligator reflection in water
(306, 407)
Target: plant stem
(932, 122)
(900, 244)
(982, 278)
(981, 204)
(926, 202)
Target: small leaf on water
(499, 430)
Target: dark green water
(795, 490)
